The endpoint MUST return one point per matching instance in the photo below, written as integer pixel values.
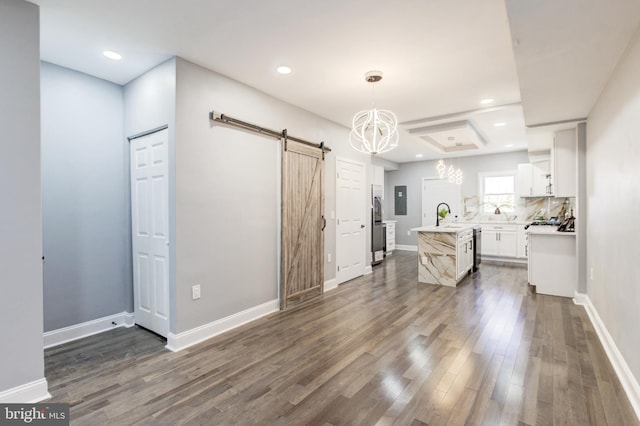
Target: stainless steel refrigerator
(377, 229)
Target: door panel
(150, 230)
(302, 268)
(436, 191)
(350, 215)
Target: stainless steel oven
(477, 247)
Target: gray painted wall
(149, 103)
(613, 203)
(411, 174)
(581, 207)
(21, 356)
(227, 187)
(85, 234)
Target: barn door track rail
(225, 119)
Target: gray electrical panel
(400, 200)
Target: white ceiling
(439, 58)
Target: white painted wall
(227, 186)
(21, 356)
(85, 233)
(613, 205)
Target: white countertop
(496, 222)
(547, 230)
(452, 228)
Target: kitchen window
(497, 190)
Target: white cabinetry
(499, 240)
(565, 163)
(523, 241)
(534, 179)
(377, 178)
(524, 182)
(464, 253)
(391, 236)
(552, 263)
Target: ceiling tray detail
(451, 137)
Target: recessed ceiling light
(501, 124)
(509, 145)
(112, 55)
(487, 101)
(419, 155)
(283, 69)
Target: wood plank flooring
(380, 350)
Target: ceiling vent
(451, 137)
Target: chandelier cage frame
(374, 131)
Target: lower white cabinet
(390, 236)
(499, 240)
(464, 253)
(523, 241)
(552, 263)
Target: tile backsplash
(527, 209)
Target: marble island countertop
(451, 228)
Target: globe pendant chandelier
(374, 131)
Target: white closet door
(350, 224)
(150, 230)
(436, 191)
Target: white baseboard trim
(29, 393)
(86, 329)
(180, 341)
(406, 248)
(330, 285)
(500, 259)
(368, 270)
(629, 382)
(129, 319)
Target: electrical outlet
(329, 258)
(195, 292)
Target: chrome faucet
(438, 212)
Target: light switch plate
(195, 292)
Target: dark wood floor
(382, 349)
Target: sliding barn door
(302, 272)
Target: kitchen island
(445, 253)
(553, 265)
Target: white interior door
(436, 191)
(350, 220)
(150, 230)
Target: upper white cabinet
(565, 163)
(377, 179)
(534, 179)
(378, 176)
